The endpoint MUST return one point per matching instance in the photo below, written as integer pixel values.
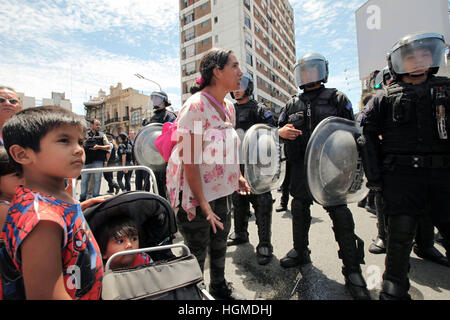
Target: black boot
(378, 245)
(224, 291)
(351, 251)
(424, 244)
(116, 186)
(393, 291)
(241, 215)
(400, 235)
(293, 258)
(237, 238)
(264, 253)
(301, 222)
(263, 213)
(281, 208)
(431, 254)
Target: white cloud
(51, 52)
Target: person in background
(112, 160)
(125, 153)
(9, 105)
(96, 147)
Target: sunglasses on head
(11, 101)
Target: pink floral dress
(216, 153)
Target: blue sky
(81, 46)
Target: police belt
(429, 161)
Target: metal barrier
(154, 184)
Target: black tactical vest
(162, 116)
(248, 114)
(305, 113)
(409, 117)
(94, 155)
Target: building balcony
(112, 120)
(126, 118)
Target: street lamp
(142, 77)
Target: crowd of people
(406, 157)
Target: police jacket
(161, 116)
(251, 113)
(93, 138)
(306, 111)
(405, 116)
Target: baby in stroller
(118, 234)
(140, 219)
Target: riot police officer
(159, 102)
(248, 113)
(301, 115)
(424, 241)
(411, 167)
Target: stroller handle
(121, 168)
(186, 252)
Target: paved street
(322, 280)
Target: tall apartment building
(260, 33)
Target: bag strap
(217, 104)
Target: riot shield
(334, 170)
(144, 149)
(261, 156)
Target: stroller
(170, 276)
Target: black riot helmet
(246, 85)
(382, 78)
(157, 98)
(311, 69)
(417, 54)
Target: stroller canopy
(152, 214)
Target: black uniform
(411, 167)
(160, 116)
(247, 115)
(305, 112)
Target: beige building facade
(120, 111)
(260, 33)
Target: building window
(216, 19)
(187, 3)
(248, 40)
(188, 18)
(249, 58)
(190, 51)
(205, 24)
(248, 22)
(247, 4)
(216, 38)
(190, 68)
(136, 118)
(189, 34)
(205, 41)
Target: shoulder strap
(210, 97)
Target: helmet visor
(244, 82)
(309, 72)
(156, 100)
(418, 56)
(379, 80)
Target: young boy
(49, 251)
(120, 234)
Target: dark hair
(6, 167)
(124, 137)
(116, 227)
(27, 127)
(214, 58)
